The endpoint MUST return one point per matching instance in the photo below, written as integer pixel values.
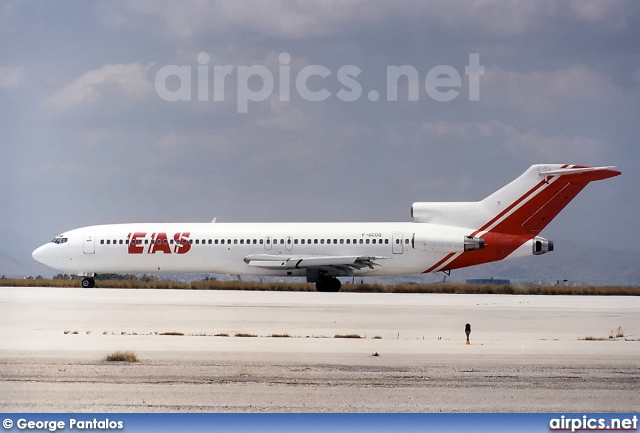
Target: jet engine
(541, 246)
(446, 243)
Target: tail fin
(523, 207)
(511, 218)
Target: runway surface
(527, 353)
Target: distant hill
(11, 267)
(571, 261)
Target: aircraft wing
(332, 265)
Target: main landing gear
(328, 284)
(88, 283)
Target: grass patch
(172, 333)
(347, 336)
(122, 357)
(377, 337)
(591, 338)
(212, 284)
(619, 333)
(280, 335)
(244, 334)
(221, 334)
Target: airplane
(443, 236)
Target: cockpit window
(59, 240)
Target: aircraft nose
(40, 254)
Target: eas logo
(159, 243)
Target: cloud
(275, 18)
(8, 18)
(310, 19)
(11, 77)
(530, 145)
(130, 81)
(516, 18)
(608, 13)
(539, 92)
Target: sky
(252, 111)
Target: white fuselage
(222, 247)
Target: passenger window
(197, 241)
(341, 241)
(261, 241)
(101, 241)
(361, 241)
(348, 241)
(235, 242)
(367, 241)
(242, 241)
(406, 241)
(386, 241)
(108, 241)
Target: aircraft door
(267, 242)
(89, 244)
(397, 241)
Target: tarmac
(239, 351)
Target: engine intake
(541, 246)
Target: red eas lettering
(134, 246)
(160, 244)
(182, 243)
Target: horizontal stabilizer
(587, 174)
